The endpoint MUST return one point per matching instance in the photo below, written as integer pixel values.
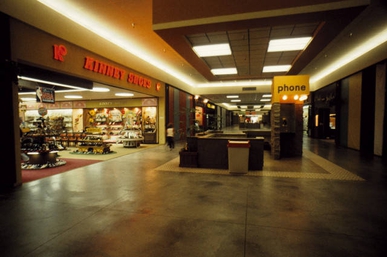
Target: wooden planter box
(188, 159)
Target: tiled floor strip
(333, 172)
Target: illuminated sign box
(290, 89)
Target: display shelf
(130, 137)
(93, 144)
(42, 160)
(41, 150)
(34, 142)
(55, 119)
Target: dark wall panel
(343, 121)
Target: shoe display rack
(130, 137)
(93, 144)
(40, 152)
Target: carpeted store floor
(75, 160)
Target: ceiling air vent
(249, 88)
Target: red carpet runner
(31, 175)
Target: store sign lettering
(59, 52)
(138, 80)
(291, 88)
(105, 103)
(115, 72)
(103, 68)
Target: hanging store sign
(45, 95)
(290, 89)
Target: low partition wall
(212, 150)
(265, 133)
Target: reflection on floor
(329, 202)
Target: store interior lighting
(124, 94)
(52, 83)
(73, 96)
(100, 89)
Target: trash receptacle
(238, 156)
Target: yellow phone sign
(290, 89)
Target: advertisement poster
(45, 95)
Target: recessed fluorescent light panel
(212, 50)
(267, 95)
(124, 94)
(235, 100)
(276, 68)
(232, 96)
(288, 44)
(224, 71)
(51, 83)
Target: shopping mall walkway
(134, 206)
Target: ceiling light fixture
(288, 44)
(303, 97)
(28, 99)
(224, 71)
(124, 94)
(235, 100)
(100, 89)
(232, 96)
(212, 50)
(267, 95)
(265, 100)
(276, 68)
(51, 83)
(73, 96)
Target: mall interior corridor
(330, 202)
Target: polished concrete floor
(330, 202)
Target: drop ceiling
(167, 30)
